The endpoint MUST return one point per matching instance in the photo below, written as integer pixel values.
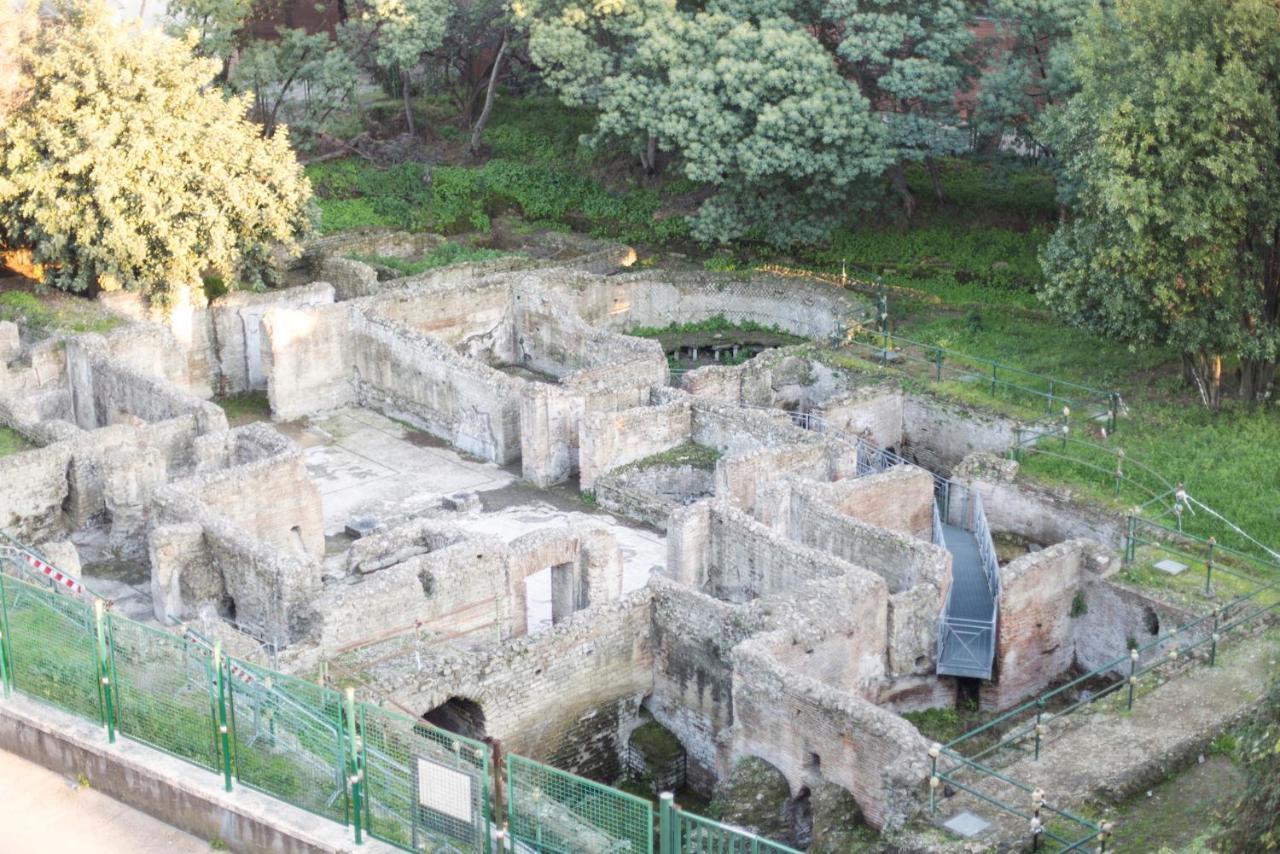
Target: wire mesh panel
(52, 646)
(696, 835)
(553, 811)
(426, 789)
(164, 692)
(287, 739)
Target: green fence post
(1130, 548)
(224, 733)
(993, 379)
(1208, 567)
(1133, 675)
(4, 638)
(1066, 425)
(937, 360)
(1119, 468)
(1213, 639)
(104, 668)
(666, 804)
(1048, 406)
(1114, 408)
(350, 707)
(1039, 726)
(934, 782)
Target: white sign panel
(444, 790)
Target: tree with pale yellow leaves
(121, 165)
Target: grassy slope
(973, 264)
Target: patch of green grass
(441, 256)
(656, 744)
(246, 408)
(1186, 589)
(1182, 813)
(12, 442)
(717, 323)
(56, 311)
(688, 454)
(352, 193)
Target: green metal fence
(424, 787)
(400, 779)
(165, 692)
(1037, 393)
(51, 648)
(681, 832)
(559, 813)
(288, 739)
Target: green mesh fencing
(426, 789)
(692, 834)
(287, 739)
(558, 813)
(52, 647)
(165, 693)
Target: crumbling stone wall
(611, 440)
(810, 730)
(235, 332)
(307, 357)
(1038, 514)
(1036, 633)
(567, 696)
(653, 298)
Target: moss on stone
(688, 454)
(657, 744)
(838, 826)
(755, 796)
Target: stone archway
(460, 715)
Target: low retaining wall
(166, 787)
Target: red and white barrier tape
(59, 577)
(238, 672)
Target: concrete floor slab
(43, 811)
(368, 465)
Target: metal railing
(388, 775)
(681, 832)
(1023, 730)
(986, 546)
(1037, 391)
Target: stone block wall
(611, 440)
(1038, 514)
(812, 731)
(307, 357)
(406, 374)
(235, 332)
(567, 696)
(938, 434)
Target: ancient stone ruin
(475, 495)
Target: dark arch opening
(460, 715)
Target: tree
(404, 30)
(756, 108)
(123, 167)
(1169, 168)
(910, 59)
(297, 78)
(1028, 67)
(473, 57)
(216, 24)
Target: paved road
(44, 812)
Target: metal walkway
(967, 627)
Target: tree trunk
(936, 179)
(408, 101)
(649, 157)
(1206, 372)
(489, 97)
(1256, 378)
(898, 175)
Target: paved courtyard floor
(44, 812)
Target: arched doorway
(460, 715)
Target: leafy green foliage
(457, 198)
(297, 79)
(443, 256)
(123, 166)
(12, 442)
(1168, 154)
(1254, 824)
